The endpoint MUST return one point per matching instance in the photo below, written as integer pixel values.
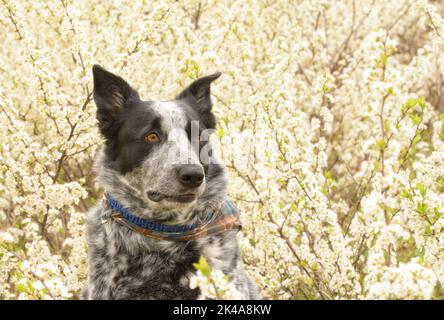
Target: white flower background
(342, 199)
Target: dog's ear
(111, 93)
(199, 92)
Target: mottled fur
(124, 264)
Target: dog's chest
(125, 265)
(148, 275)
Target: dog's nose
(191, 176)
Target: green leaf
(406, 194)
(410, 103)
(220, 132)
(416, 139)
(437, 213)
(192, 69)
(380, 144)
(403, 108)
(203, 266)
(387, 125)
(328, 174)
(377, 165)
(314, 266)
(20, 287)
(390, 91)
(421, 102)
(421, 188)
(416, 118)
(422, 208)
(428, 230)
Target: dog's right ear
(111, 94)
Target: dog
(160, 215)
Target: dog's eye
(152, 138)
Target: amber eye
(152, 137)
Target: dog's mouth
(183, 198)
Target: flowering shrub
(330, 125)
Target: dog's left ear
(199, 91)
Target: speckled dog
(160, 215)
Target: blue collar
(224, 219)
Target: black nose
(190, 176)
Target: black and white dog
(160, 214)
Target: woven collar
(224, 219)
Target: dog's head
(160, 148)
